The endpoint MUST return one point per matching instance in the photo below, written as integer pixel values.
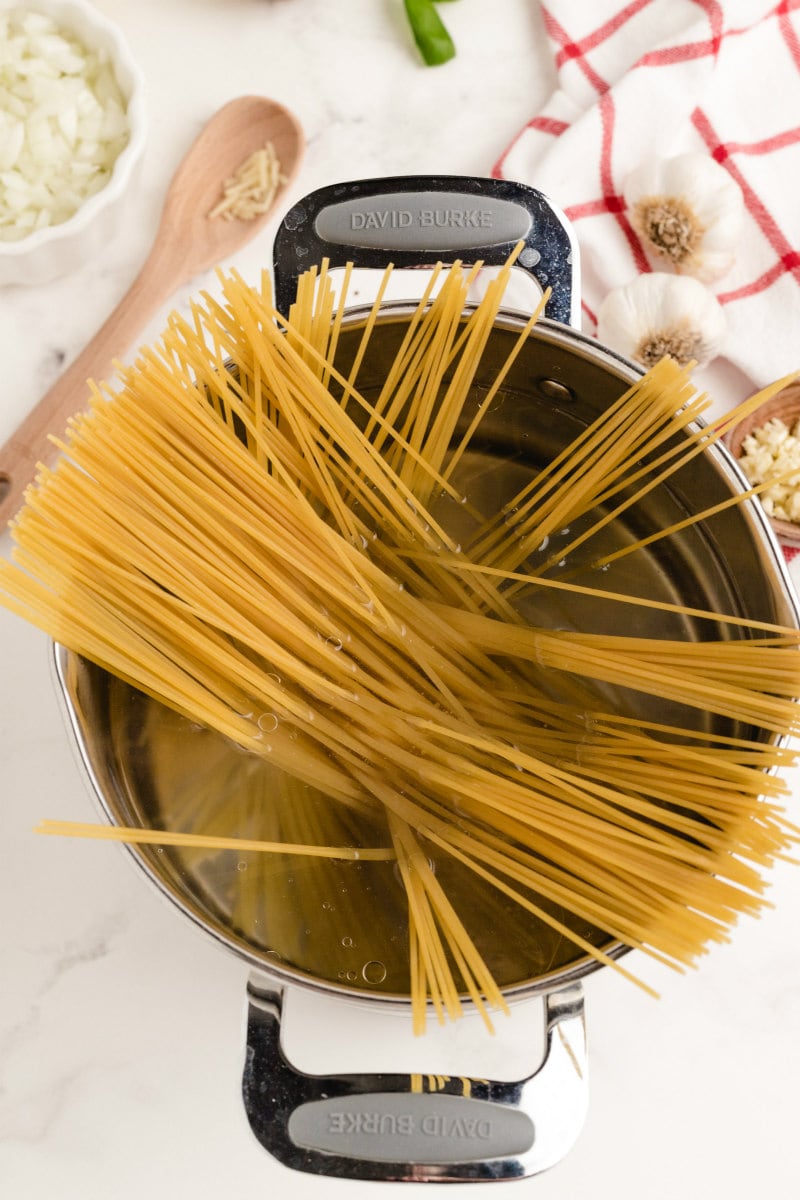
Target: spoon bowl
(235, 132)
(188, 241)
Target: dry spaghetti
(245, 535)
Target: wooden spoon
(187, 242)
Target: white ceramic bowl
(56, 250)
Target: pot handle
(417, 221)
(416, 1128)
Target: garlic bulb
(688, 212)
(661, 314)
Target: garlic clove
(688, 212)
(659, 314)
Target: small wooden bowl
(786, 406)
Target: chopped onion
(62, 123)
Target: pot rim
(262, 962)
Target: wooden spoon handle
(30, 444)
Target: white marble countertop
(121, 1027)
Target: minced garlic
(251, 189)
(773, 452)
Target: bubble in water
(373, 971)
(267, 722)
(514, 762)
(241, 866)
(334, 642)
(347, 942)
(398, 874)
(351, 975)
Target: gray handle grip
(380, 1127)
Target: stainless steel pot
(340, 928)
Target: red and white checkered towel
(664, 77)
